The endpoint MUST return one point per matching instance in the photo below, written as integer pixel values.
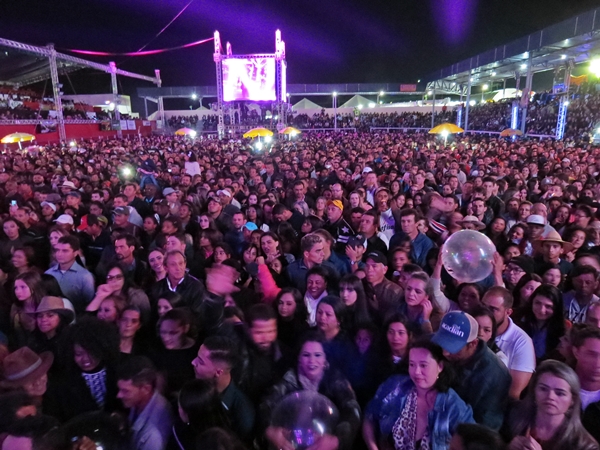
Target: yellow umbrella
(290, 130)
(255, 132)
(17, 137)
(186, 132)
(511, 132)
(446, 128)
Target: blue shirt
(419, 249)
(76, 283)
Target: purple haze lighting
(454, 18)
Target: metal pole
(504, 89)
(159, 103)
(467, 105)
(526, 93)
(433, 109)
(146, 107)
(335, 111)
(62, 133)
(115, 92)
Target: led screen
(249, 79)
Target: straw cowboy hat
(24, 366)
(472, 220)
(57, 305)
(553, 236)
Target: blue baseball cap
(456, 330)
(250, 226)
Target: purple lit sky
(327, 40)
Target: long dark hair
(300, 312)
(127, 281)
(395, 317)
(555, 324)
(359, 313)
(445, 378)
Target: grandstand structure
(23, 64)
(558, 48)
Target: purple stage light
(454, 18)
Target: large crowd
(166, 293)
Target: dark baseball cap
(377, 256)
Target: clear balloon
(467, 256)
(306, 416)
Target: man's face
(551, 250)
(374, 271)
(337, 191)
(585, 284)
(593, 316)
(176, 266)
(238, 221)
(588, 359)
(512, 206)
(122, 250)
(478, 208)
(367, 225)
(129, 394)
(129, 191)
(333, 213)
(204, 368)
(488, 186)
(408, 224)
(299, 191)
(263, 333)
(214, 207)
(460, 356)
(316, 254)
(496, 304)
(535, 231)
(63, 253)
(174, 244)
(121, 220)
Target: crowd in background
(167, 293)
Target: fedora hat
(472, 220)
(24, 366)
(553, 236)
(57, 305)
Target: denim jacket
(385, 408)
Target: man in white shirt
(586, 349)
(511, 339)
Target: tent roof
(305, 104)
(23, 68)
(357, 100)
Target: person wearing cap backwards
(382, 294)
(482, 380)
(337, 226)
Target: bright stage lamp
(194, 96)
(335, 94)
(258, 146)
(445, 134)
(472, 102)
(268, 139)
(371, 105)
(566, 103)
(127, 171)
(293, 133)
(360, 106)
(595, 67)
(193, 134)
(381, 93)
(486, 87)
(72, 143)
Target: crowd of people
(167, 293)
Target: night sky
(327, 41)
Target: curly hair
(99, 338)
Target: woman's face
(276, 265)
(553, 395)
(269, 245)
(115, 279)
(320, 205)
(423, 369)
(397, 337)
(129, 323)
(354, 200)
(204, 222)
(84, 360)
(312, 361)
(348, 294)
(363, 340)
(306, 227)
(11, 229)
(18, 259)
(528, 289)
(163, 307)
(149, 225)
(252, 199)
(577, 239)
(47, 321)
(486, 328)
(315, 285)
(172, 334)
(553, 277)
(511, 252)
(156, 261)
(107, 311)
(54, 237)
(542, 307)
(251, 214)
(498, 225)
(220, 255)
(399, 259)
(327, 321)
(22, 291)
(468, 298)
(249, 255)
(286, 305)
(415, 292)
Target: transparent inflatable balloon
(467, 256)
(306, 416)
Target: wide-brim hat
(24, 366)
(553, 236)
(57, 305)
(472, 220)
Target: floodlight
(563, 56)
(258, 145)
(193, 133)
(72, 143)
(523, 66)
(127, 171)
(429, 92)
(268, 139)
(493, 74)
(371, 105)
(595, 67)
(381, 93)
(445, 133)
(472, 102)
(485, 87)
(194, 96)
(566, 103)
(360, 106)
(334, 94)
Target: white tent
(506, 93)
(356, 101)
(305, 104)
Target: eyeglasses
(114, 277)
(514, 269)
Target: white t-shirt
(518, 346)
(588, 397)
